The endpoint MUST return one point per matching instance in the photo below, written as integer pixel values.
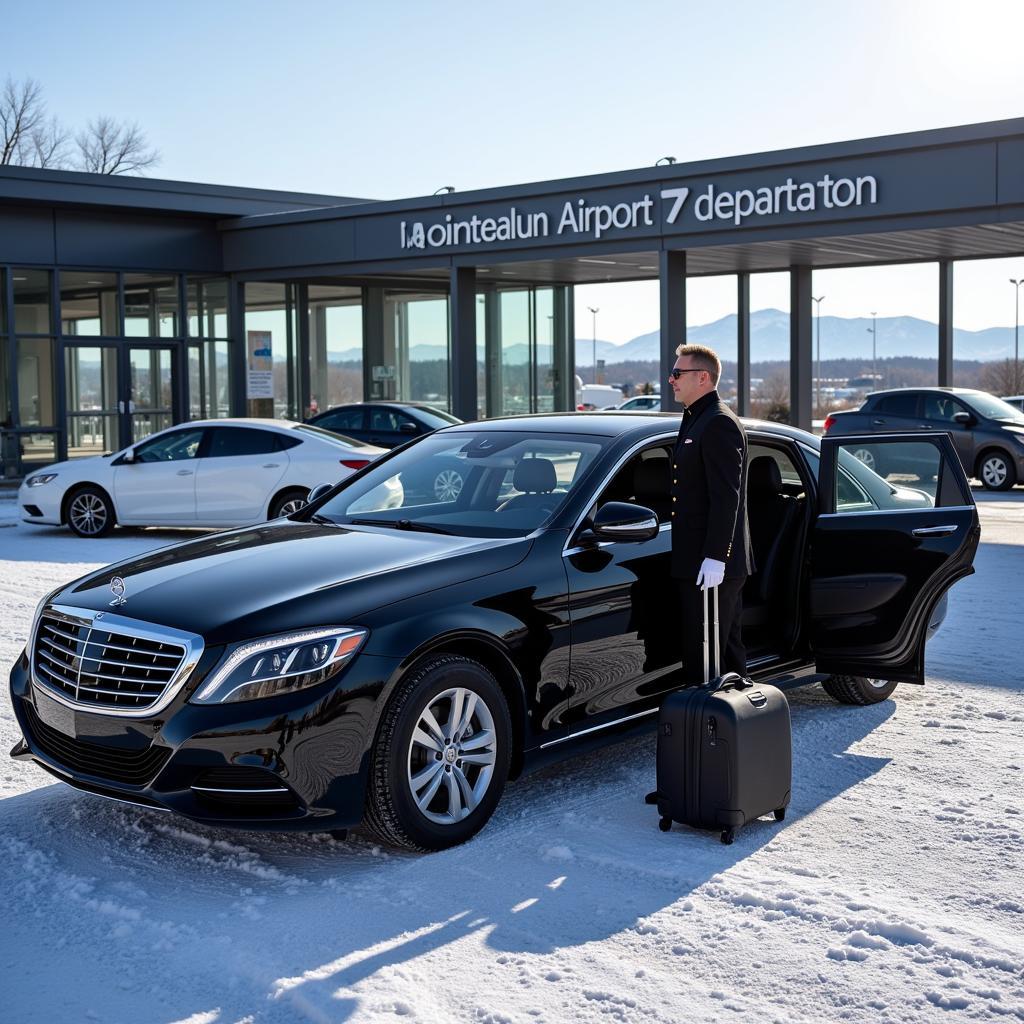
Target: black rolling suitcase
(724, 750)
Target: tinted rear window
(226, 441)
(897, 405)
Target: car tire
(288, 502)
(421, 794)
(447, 485)
(996, 471)
(858, 689)
(89, 512)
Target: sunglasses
(676, 373)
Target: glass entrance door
(92, 397)
(148, 405)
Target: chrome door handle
(184, 472)
(878, 423)
(271, 465)
(935, 531)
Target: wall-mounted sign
(697, 205)
(260, 380)
(383, 373)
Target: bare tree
(47, 146)
(1005, 378)
(22, 112)
(109, 147)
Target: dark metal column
(373, 338)
(564, 347)
(672, 277)
(945, 323)
(239, 350)
(462, 306)
(302, 349)
(801, 365)
(743, 344)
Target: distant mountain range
(841, 338)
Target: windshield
(330, 435)
(993, 408)
(474, 483)
(437, 418)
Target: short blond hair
(706, 358)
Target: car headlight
(40, 478)
(281, 664)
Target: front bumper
(295, 762)
(40, 504)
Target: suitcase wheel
(651, 798)
(665, 824)
(780, 813)
(728, 835)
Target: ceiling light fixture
(607, 263)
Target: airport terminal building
(129, 304)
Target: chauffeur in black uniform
(710, 534)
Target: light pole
(594, 311)
(1016, 282)
(873, 331)
(817, 379)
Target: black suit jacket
(709, 491)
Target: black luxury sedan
(385, 659)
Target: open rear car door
(888, 542)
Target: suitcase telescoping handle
(713, 684)
(707, 634)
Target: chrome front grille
(111, 663)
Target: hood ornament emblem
(117, 589)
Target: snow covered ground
(892, 892)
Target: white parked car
(206, 473)
(642, 403)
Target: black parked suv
(362, 661)
(988, 433)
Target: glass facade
(94, 360)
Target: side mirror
(318, 492)
(408, 428)
(128, 457)
(965, 419)
(621, 520)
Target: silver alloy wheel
(866, 456)
(994, 470)
(452, 756)
(448, 485)
(88, 514)
(292, 506)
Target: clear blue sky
(395, 99)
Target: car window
(995, 408)
(901, 404)
(227, 441)
(172, 447)
(479, 483)
(643, 479)
(388, 420)
(787, 468)
(941, 407)
(341, 420)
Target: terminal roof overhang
(954, 193)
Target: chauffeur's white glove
(711, 574)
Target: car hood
(286, 575)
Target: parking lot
(890, 892)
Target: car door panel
(879, 566)
(159, 485)
(237, 488)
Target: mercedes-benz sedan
(396, 662)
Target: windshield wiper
(402, 524)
